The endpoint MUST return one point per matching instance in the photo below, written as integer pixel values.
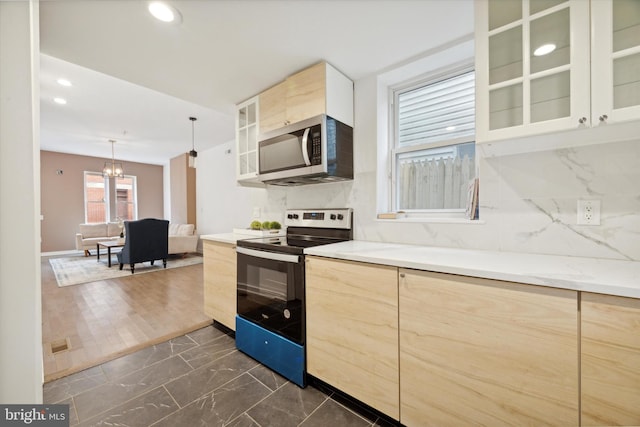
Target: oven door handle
(269, 255)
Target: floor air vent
(58, 346)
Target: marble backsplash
(527, 204)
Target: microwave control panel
(316, 150)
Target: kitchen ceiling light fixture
(112, 169)
(193, 154)
(64, 82)
(60, 101)
(164, 12)
(545, 49)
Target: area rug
(80, 269)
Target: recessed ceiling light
(451, 128)
(544, 49)
(60, 101)
(64, 82)
(164, 12)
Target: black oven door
(271, 291)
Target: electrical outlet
(588, 212)
(256, 212)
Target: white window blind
(440, 111)
(434, 150)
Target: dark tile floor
(197, 379)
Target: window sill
(433, 220)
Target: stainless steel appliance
(270, 322)
(319, 149)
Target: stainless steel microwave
(319, 149)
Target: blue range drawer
(278, 353)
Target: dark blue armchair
(147, 240)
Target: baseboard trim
(68, 252)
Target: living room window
(96, 202)
(98, 197)
(126, 201)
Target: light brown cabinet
(610, 360)
(352, 329)
(319, 89)
(220, 282)
(483, 352)
(273, 114)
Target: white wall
(21, 372)
(166, 191)
(223, 205)
(527, 201)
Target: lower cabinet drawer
(283, 356)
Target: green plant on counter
(266, 225)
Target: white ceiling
(137, 80)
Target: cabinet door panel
(505, 55)
(220, 282)
(273, 107)
(482, 352)
(626, 24)
(352, 329)
(610, 360)
(506, 107)
(503, 12)
(509, 71)
(306, 93)
(626, 81)
(550, 97)
(246, 141)
(552, 29)
(615, 55)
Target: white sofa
(182, 238)
(91, 234)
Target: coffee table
(108, 244)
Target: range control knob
(332, 216)
(340, 217)
(289, 216)
(295, 216)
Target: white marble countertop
(612, 277)
(225, 237)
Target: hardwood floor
(103, 320)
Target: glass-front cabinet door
(616, 60)
(532, 67)
(247, 140)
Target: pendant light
(193, 153)
(112, 169)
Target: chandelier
(112, 169)
(193, 153)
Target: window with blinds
(434, 148)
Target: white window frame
(394, 92)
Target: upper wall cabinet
(533, 68)
(320, 89)
(247, 141)
(615, 60)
